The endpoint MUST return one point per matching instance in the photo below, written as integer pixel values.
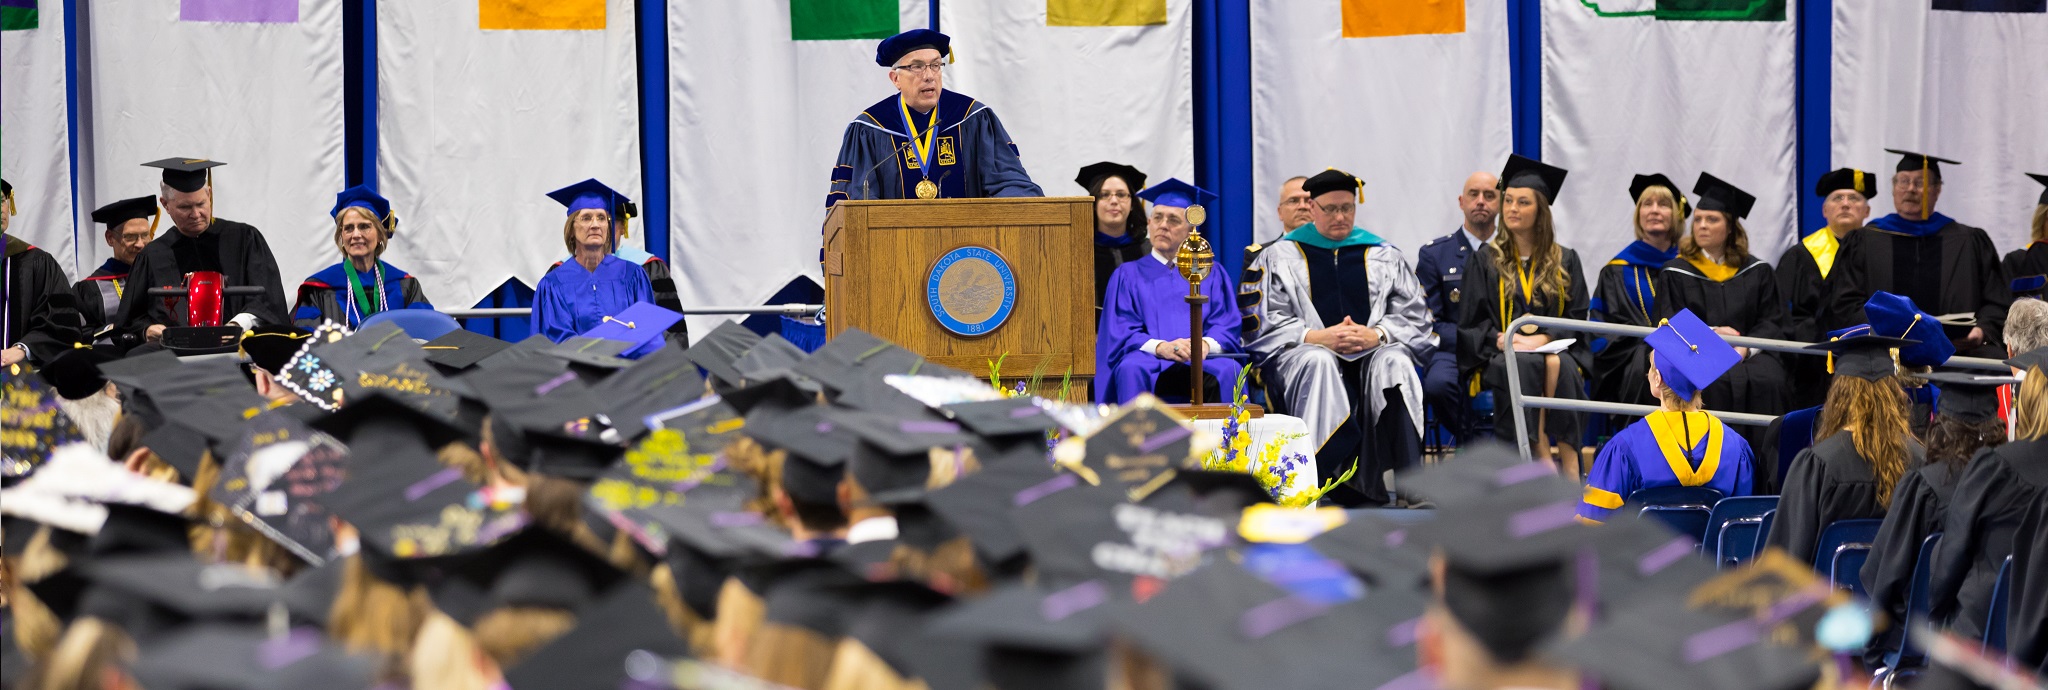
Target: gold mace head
(1194, 258)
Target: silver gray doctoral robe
(1308, 373)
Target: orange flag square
(1376, 18)
(542, 15)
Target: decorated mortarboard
(404, 502)
(2036, 358)
(980, 505)
(1083, 533)
(1717, 194)
(270, 347)
(383, 359)
(662, 471)
(622, 623)
(1846, 178)
(1968, 396)
(125, 210)
(275, 476)
(817, 449)
(1331, 180)
(1228, 628)
(1173, 193)
(308, 375)
(1132, 177)
(186, 174)
(250, 657)
(657, 383)
(1131, 449)
(2043, 181)
(75, 373)
(2029, 286)
(1662, 646)
(534, 568)
(1785, 598)
(1689, 354)
(1529, 173)
(1642, 183)
(720, 348)
(365, 198)
(1910, 161)
(1896, 316)
(461, 350)
(592, 194)
(1869, 357)
(641, 325)
(895, 47)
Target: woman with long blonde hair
(1995, 493)
(1862, 446)
(1627, 289)
(1524, 271)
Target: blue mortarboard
(2029, 286)
(590, 194)
(1174, 193)
(895, 47)
(642, 324)
(1896, 316)
(1690, 355)
(368, 199)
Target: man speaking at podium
(943, 145)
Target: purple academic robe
(1147, 300)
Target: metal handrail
(781, 309)
(1516, 401)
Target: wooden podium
(880, 258)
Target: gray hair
(2026, 325)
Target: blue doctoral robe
(1649, 453)
(325, 296)
(571, 300)
(972, 157)
(1146, 300)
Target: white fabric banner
(1966, 86)
(1412, 116)
(1637, 94)
(35, 140)
(755, 121)
(1074, 95)
(263, 97)
(475, 127)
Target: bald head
(1479, 202)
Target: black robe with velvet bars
(972, 157)
(237, 250)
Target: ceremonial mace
(1195, 261)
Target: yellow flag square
(1104, 12)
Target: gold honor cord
(921, 144)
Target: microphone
(877, 166)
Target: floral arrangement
(1268, 463)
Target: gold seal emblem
(971, 290)
(927, 190)
(1196, 214)
(1454, 295)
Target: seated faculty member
(577, 295)
(1144, 329)
(362, 285)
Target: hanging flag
(835, 20)
(540, 15)
(17, 15)
(1105, 12)
(2017, 6)
(1692, 10)
(1377, 18)
(240, 11)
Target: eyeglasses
(1116, 195)
(1339, 208)
(1914, 185)
(914, 69)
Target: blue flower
(309, 364)
(321, 381)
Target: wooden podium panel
(879, 257)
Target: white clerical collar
(1163, 260)
(872, 529)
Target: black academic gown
(40, 308)
(1919, 503)
(1827, 483)
(2026, 637)
(1749, 303)
(1111, 252)
(1479, 324)
(2031, 260)
(1981, 529)
(1804, 287)
(99, 295)
(237, 250)
(1952, 270)
(1620, 371)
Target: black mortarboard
(461, 349)
(1089, 175)
(1968, 396)
(1919, 161)
(1846, 178)
(1643, 557)
(1020, 417)
(593, 654)
(186, 174)
(855, 354)
(534, 568)
(1332, 180)
(817, 449)
(887, 615)
(979, 505)
(1377, 549)
(76, 372)
(1662, 646)
(309, 595)
(1222, 492)
(1868, 357)
(378, 414)
(1529, 173)
(514, 383)
(141, 530)
(1017, 638)
(780, 390)
(893, 454)
(1643, 183)
(1508, 560)
(269, 347)
(177, 583)
(720, 348)
(596, 357)
(656, 383)
(571, 457)
(125, 210)
(771, 356)
(219, 656)
(218, 410)
(130, 374)
(712, 522)
(895, 47)
(2036, 358)
(1478, 470)
(178, 446)
(531, 347)
(2043, 180)
(1717, 195)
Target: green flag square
(1722, 10)
(18, 15)
(834, 20)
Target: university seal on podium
(971, 291)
